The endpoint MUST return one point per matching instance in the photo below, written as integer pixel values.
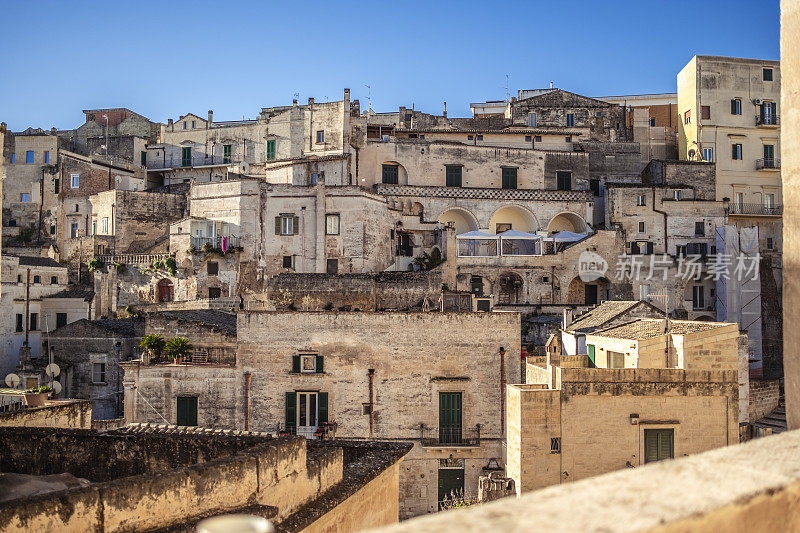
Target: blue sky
(167, 58)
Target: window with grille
(390, 174)
(98, 372)
(555, 444)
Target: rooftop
(27, 260)
(74, 292)
(603, 314)
(648, 328)
(216, 320)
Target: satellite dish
(12, 380)
(52, 370)
(57, 387)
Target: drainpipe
(371, 375)
(664, 214)
(27, 304)
(41, 206)
(247, 401)
(502, 390)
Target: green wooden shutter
(277, 225)
(650, 445)
(322, 407)
(590, 351)
(295, 363)
(665, 444)
(296, 225)
(270, 150)
(320, 364)
(733, 107)
(291, 410)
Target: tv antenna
(369, 95)
(507, 94)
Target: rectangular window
(766, 74)
(708, 154)
(698, 297)
(271, 150)
(563, 180)
(769, 156)
(214, 292)
(687, 117)
(568, 139)
(453, 175)
(676, 195)
(193, 124)
(470, 137)
(288, 261)
(56, 185)
(769, 200)
(186, 410)
(46, 157)
(286, 224)
(24, 197)
(659, 444)
(450, 404)
(94, 227)
(54, 280)
(226, 153)
(98, 372)
(590, 353)
(736, 106)
(770, 244)
(73, 230)
(528, 138)
(644, 291)
(699, 228)
(29, 156)
(76, 181)
(531, 120)
(736, 151)
(320, 136)
(652, 122)
(52, 229)
(332, 224)
(479, 137)
(185, 125)
(37, 279)
(641, 227)
(186, 156)
(570, 120)
(641, 199)
(307, 363)
(332, 266)
(555, 444)
(212, 268)
(61, 319)
(20, 327)
(594, 186)
(509, 178)
(705, 112)
(537, 138)
(389, 174)
(13, 158)
(104, 225)
(34, 322)
(616, 359)
(144, 158)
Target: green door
(590, 351)
(187, 411)
(449, 417)
(659, 444)
(451, 483)
(271, 150)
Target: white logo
(591, 266)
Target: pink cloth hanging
(224, 244)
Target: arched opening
(166, 291)
(393, 173)
(705, 318)
(509, 288)
(592, 293)
(567, 222)
(461, 219)
(417, 209)
(512, 217)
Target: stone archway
(509, 286)
(567, 221)
(513, 217)
(461, 219)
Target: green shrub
(95, 264)
(171, 266)
(178, 348)
(154, 344)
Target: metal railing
(768, 163)
(323, 431)
(215, 242)
(134, 259)
(767, 120)
(195, 161)
(754, 209)
(451, 436)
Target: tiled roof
(169, 429)
(86, 294)
(28, 260)
(648, 328)
(601, 315)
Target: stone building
(570, 422)
(652, 121)
(321, 374)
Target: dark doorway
(476, 285)
(591, 295)
(165, 291)
(332, 266)
(451, 483)
(187, 411)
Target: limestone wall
(764, 398)
(58, 414)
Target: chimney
(347, 95)
(444, 113)
(567, 321)
(551, 84)
(294, 102)
(310, 101)
(169, 122)
(210, 117)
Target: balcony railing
(215, 242)
(768, 164)
(755, 209)
(451, 436)
(767, 120)
(195, 161)
(134, 259)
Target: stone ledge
(749, 487)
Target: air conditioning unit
(756, 101)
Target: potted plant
(37, 397)
(153, 347)
(178, 348)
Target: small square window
(705, 112)
(288, 261)
(555, 444)
(54, 280)
(652, 123)
(308, 363)
(331, 224)
(24, 197)
(766, 74)
(528, 138)
(641, 227)
(366, 409)
(599, 114)
(212, 268)
(545, 279)
(470, 137)
(98, 372)
(708, 154)
(641, 199)
(214, 292)
(479, 137)
(286, 224)
(537, 139)
(320, 136)
(770, 244)
(676, 195)
(37, 279)
(568, 138)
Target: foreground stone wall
(764, 398)
(65, 414)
